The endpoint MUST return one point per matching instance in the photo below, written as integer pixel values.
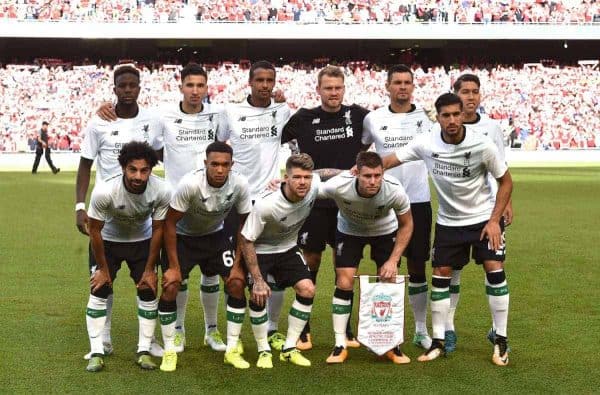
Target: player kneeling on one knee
(126, 216)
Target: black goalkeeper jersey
(332, 139)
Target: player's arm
(40, 141)
(260, 290)
(492, 229)
(390, 161)
(389, 270)
(81, 187)
(327, 173)
(101, 276)
(149, 279)
(238, 247)
(107, 112)
(173, 274)
(499, 142)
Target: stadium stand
(546, 108)
(306, 11)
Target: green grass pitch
(553, 271)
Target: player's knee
(104, 292)
(146, 295)
(344, 282)
(305, 289)
(235, 287)
(442, 271)
(313, 260)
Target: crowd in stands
(305, 11)
(543, 107)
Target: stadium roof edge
(256, 31)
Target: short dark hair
(45, 123)
(399, 68)
(447, 99)
(193, 69)
(368, 158)
(330, 71)
(137, 150)
(126, 69)
(219, 146)
(261, 64)
(465, 78)
(302, 161)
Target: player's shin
(297, 319)
(147, 314)
(498, 298)
(274, 306)
(417, 296)
(260, 326)
(342, 305)
(440, 304)
(95, 316)
(167, 314)
(209, 296)
(454, 297)
(236, 309)
(106, 337)
(182, 299)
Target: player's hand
(106, 112)
(260, 292)
(274, 184)
(279, 96)
(44, 145)
(354, 171)
(508, 214)
(99, 279)
(148, 280)
(171, 277)
(81, 220)
(493, 233)
(388, 271)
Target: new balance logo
(121, 207)
(304, 238)
(316, 121)
(434, 155)
(339, 249)
(283, 219)
(383, 128)
(229, 197)
(114, 133)
(242, 119)
(179, 120)
(204, 200)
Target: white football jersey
(104, 139)
(274, 221)
(255, 136)
(491, 128)
(206, 207)
(128, 216)
(186, 138)
(459, 173)
(391, 131)
(366, 217)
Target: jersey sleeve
(498, 139)
(401, 203)
(99, 203)
(162, 205)
(255, 223)
(410, 152)
(223, 132)
(367, 136)
(243, 204)
(180, 200)
(327, 189)
(90, 144)
(159, 139)
(291, 129)
(492, 161)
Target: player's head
(137, 159)
(262, 80)
(193, 84)
(298, 176)
(400, 84)
(467, 87)
(45, 125)
(127, 84)
(450, 114)
(370, 173)
(218, 162)
(330, 86)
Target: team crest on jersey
(178, 121)
(229, 197)
(348, 118)
(304, 238)
(316, 121)
(467, 157)
(145, 129)
(114, 133)
(283, 219)
(339, 248)
(419, 126)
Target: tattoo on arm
(293, 145)
(326, 174)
